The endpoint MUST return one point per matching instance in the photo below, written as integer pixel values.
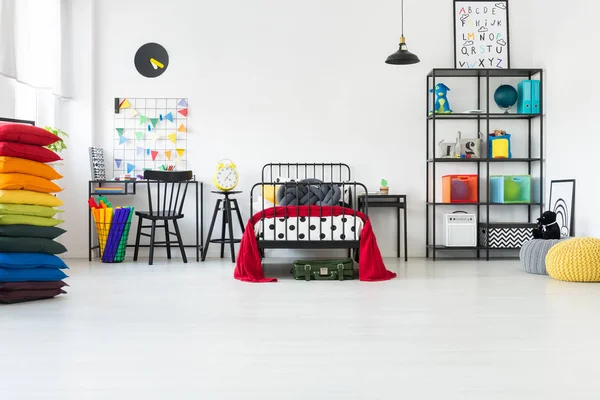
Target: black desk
(397, 201)
(130, 189)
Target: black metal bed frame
(330, 174)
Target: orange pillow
(23, 166)
(15, 181)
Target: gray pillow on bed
(309, 192)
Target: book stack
(108, 190)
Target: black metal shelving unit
(483, 121)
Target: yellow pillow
(16, 181)
(23, 166)
(269, 192)
(29, 197)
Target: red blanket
(248, 267)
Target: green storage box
(324, 270)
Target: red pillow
(26, 134)
(30, 152)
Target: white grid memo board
(149, 133)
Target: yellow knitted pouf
(575, 260)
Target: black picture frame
(493, 3)
(564, 208)
(97, 165)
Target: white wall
(566, 47)
(287, 81)
(77, 117)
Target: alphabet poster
(481, 34)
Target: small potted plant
(60, 145)
(384, 189)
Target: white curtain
(34, 55)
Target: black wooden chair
(171, 188)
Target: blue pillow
(31, 274)
(31, 260)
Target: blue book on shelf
(535, 97)
(524, 103)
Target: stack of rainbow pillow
(29, 266)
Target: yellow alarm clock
(226, 176)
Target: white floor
(449, 330)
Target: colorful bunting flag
(154, 122)
(133, 112)
(169, 117)
(140, 151)
(122, 139)
(183, 112)
(173, 138)
(155, 136)
(139, 135)
(182, 128)
(168, 154)
(143, 119)
(182, 103)
(118, 161)
(154, 154)
(120, 131)
(124, 104)
(180, 152)
(130, 167)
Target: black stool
(228, 206)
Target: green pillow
(48, 232)
(28, 220)
(24, 209)
(30, 245)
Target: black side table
(397, 201)
(228, 205)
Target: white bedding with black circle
(342, 227)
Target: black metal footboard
(316, 204)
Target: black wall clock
(151, 60)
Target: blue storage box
(510, 189)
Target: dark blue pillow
(30, 260)
(31, 274)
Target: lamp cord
(402, 18)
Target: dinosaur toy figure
(442, 106)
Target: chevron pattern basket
(505, 236)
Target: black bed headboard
(17, 121)
(329, 172)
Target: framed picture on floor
(481, 34)
(562, 202)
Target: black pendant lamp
(402, 56)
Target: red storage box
(460, 189)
